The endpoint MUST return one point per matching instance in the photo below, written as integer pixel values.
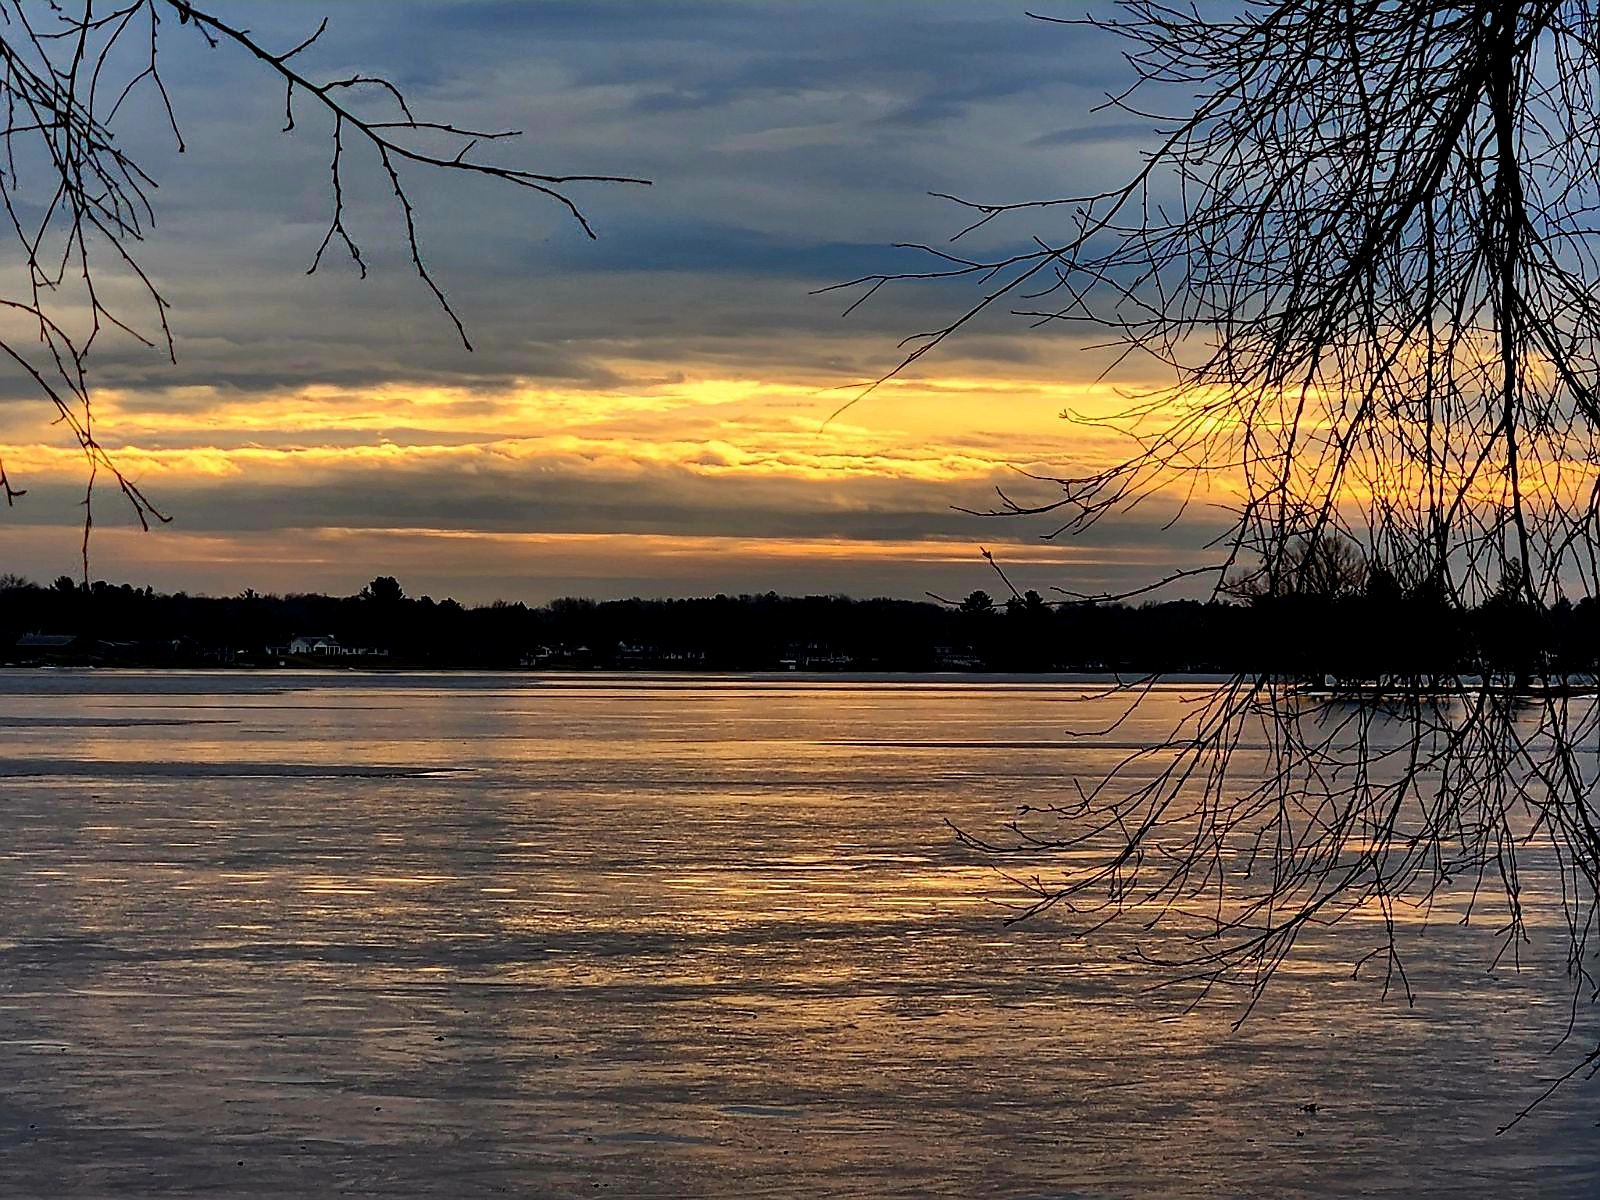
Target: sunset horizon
(799, 598)
(651, 412)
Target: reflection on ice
(456, 936)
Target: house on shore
(315, 643)
(325, 645)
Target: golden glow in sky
(646, 413)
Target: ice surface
(551, 936)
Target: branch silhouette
(78, 205)
(1363, 249)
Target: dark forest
(1379, 633)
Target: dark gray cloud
(572, 497)
(790, 145)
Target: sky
(642, 414)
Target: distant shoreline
(1347, 641)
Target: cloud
(672, 380)
(480, 566)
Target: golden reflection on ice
(597, 935)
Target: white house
(325, 645)
(315, 643)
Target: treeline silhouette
(1378, 633)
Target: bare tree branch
(78, 206)
(1364, 248)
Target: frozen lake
(275, 934)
